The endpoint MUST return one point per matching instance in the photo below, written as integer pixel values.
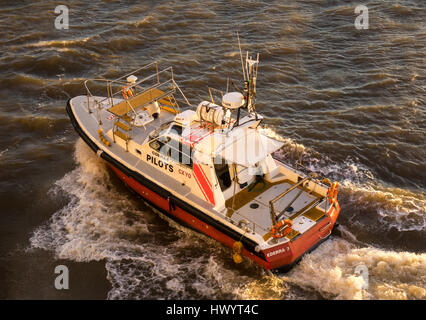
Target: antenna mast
(250, 84)
(248, 96)
(250, 76)
(241, 56)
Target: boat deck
(139, 133)
(90, 124)
(137, 102)
(252, 205)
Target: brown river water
(349, 104)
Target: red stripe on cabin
(204, 183)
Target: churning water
(348, 103)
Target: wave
(59, 43)
(331, 269)
(401, 9)
(340, 11)
(103, 223)
(145, 21)
(35, 123)
(147, 258)
(390, 206)
(23, 81)
(379, 84)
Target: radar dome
(233, 100)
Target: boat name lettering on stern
(157, 162)
(274, 253)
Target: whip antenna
(241, 56)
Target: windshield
(159, 131)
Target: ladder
(169, 104)
(123, 129)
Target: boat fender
(238, 250)
(103, 139)
(281, 229)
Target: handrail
(312, 205)
(150, 88)
(141, 68)
(95, 79)
(183, 95)
(138, 86)
(289, 189)
(271, 202)
(318, 181)
(89, 93)
(127, 103)
(147, 78)
(119, 81)
(290, 204)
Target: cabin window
(181, 153)
(158, 144)
(138, 151)
(222, 173)
(176, 129)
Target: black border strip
(248, 244)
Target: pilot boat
(210, 167)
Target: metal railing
(271, 203)
(154, 80)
